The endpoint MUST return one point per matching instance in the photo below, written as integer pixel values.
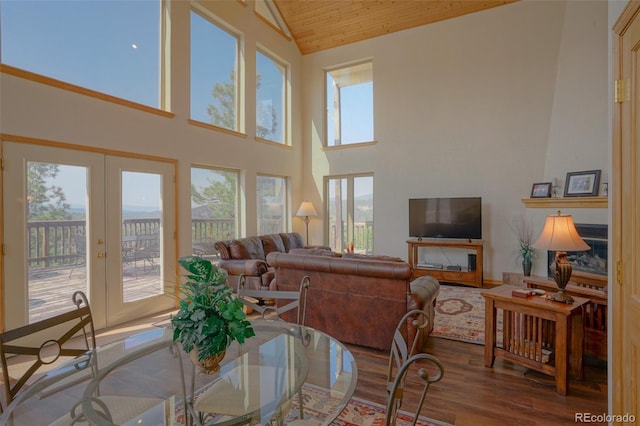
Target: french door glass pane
(214, 208)
(272, 204)
(363, 214)
(56, 236)
(141, 237)
(337, 200)
(350, 208)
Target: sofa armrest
(251, 267)
(424, 292)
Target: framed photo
(582, 184)
(541, 190)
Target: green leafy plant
(524, 232)
(210, 318)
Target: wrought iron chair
(400, 350)
(394, 399)
(298, 299)
(38, 345)
(67, 335)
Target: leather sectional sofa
(357, 299)
(248, 256)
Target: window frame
(350, 214)
(286, 211)
(326, 138)
(286, 97)
(220, 24)
(238, 226)
(162, 93)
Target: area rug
(358, 412)
(460, 314)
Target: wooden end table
(538, 333)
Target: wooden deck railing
(59, 242)
(362, 237)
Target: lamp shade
(306, 209)
(560, 234)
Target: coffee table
(538, 333)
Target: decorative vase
(209, 365)
(526, 267)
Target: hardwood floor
(469, 393)
(472, 394)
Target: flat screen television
(445, 218)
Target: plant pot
(526, 268)
(209, 365)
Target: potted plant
(209, 318)
(524, 232)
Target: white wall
(34, 110)
(485, 104)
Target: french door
(79, 220)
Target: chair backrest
(400, 349)
(44, 342)
(394, 399)
(266, 301)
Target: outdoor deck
(50, 289)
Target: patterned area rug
(358, 412)
(460, 314)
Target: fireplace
(593, 261)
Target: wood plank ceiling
(322, 24)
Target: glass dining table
(284, 373)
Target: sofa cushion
(292, 240)
(246, 248)
(271, 243)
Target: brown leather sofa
(248, 256)
(358, 300)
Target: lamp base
(561, 274)
(561, 297)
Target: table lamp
(306, 209)
(560, 234)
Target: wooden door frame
(619, 390)
(6, 137)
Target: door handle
(102, 255)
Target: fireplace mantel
(566, 202)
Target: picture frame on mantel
(541, 190)
(582, 184)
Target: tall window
(214, 74)
(349, 206)
(271, 97)
(271, 192)
(113, 47)
(350, 104)
(214, 207)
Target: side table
(538, 333)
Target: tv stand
(463, 276)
